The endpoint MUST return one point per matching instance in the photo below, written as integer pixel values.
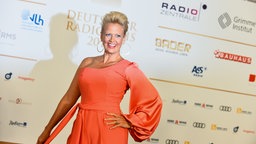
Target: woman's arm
(66, 103)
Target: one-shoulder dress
(102, 90)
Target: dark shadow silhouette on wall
(52, 77)
(62, 42)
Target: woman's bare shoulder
(88, 61)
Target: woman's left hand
(116, 120)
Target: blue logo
(33, 21)
(198, 71)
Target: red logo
(252, 77)
(232, 57)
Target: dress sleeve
(145, 104)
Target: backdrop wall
(200, 55)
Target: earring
(98, 48)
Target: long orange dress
(102, 91)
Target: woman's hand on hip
(116, 120)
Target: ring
(116, 123)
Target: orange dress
(102, 91)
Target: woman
(101, 82)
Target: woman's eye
(108, 35)
(117, 35)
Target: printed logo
(242, 111)
(177, 122)
(172, 46)
(249, 132)
(182, 11)
(19, 124)
(232, 57)
(171, 141)
(198, 71)
(237, 23)
(90, 24)
(34, 18)
(203, 105)
(225, 108)
(199, 125)
(235, 129)
(33, 22)
(7, 36)
(153, 140)
(224, 20)
(182, 102)
(19, 101)
(26, 78)
(215, 127)
(8, 76)
(252, 78)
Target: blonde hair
(115, 17)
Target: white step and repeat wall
(199, 54)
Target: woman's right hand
(43, 137)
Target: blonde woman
(101, 82)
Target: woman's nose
(111, 38)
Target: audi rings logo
(225, 108)
(199, 125)
(171, 141)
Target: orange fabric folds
(145, 105)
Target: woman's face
(112, 37)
